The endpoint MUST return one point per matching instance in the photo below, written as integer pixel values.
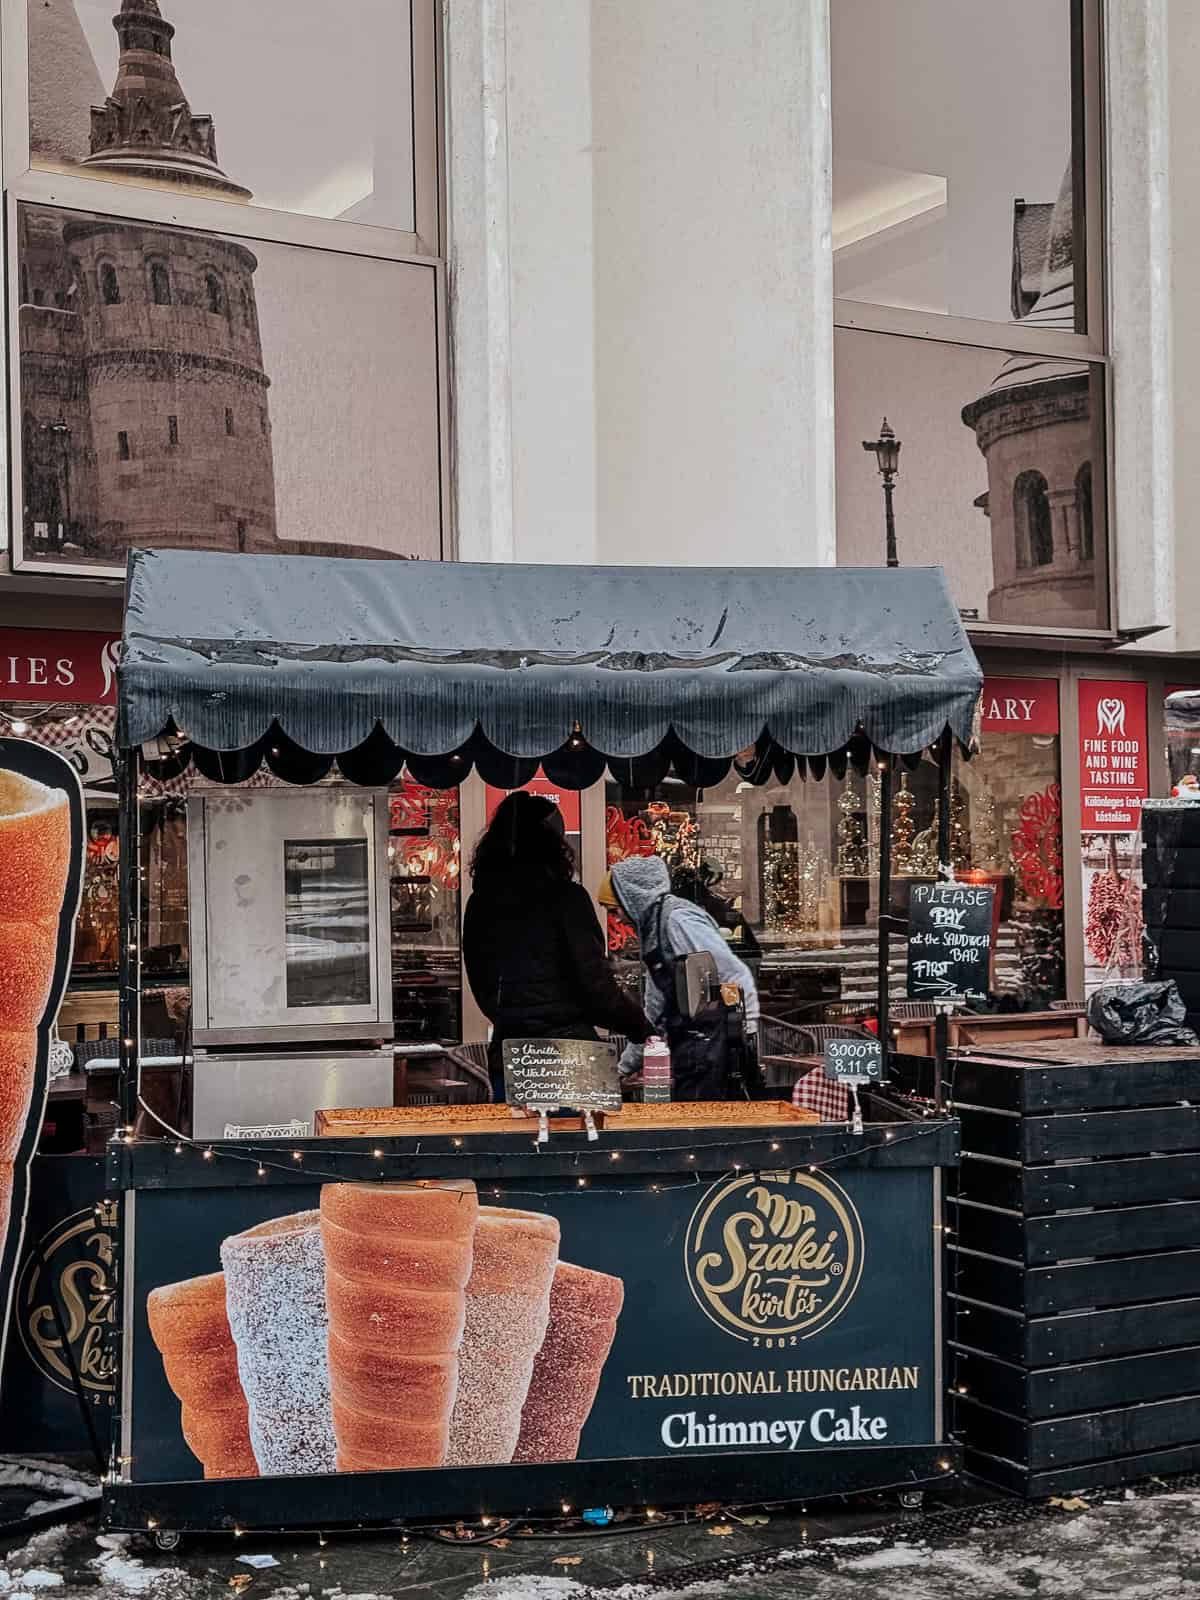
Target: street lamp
(886, 450)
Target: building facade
(618, 281)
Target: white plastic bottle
(656, 1070)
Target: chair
(472, 1061)
(789, 1050)
(163, 1091)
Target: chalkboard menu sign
(854, 1060)
(949, 941)
(546, 1073)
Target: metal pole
(893, 555)
(941, 1026)
(885, 905)
(129, 1010)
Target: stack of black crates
(1171, 898)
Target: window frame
(1092, 347)
(424, 246)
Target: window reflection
(289, 104)
(995, 484)
(945, 198)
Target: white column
(641, 280)
(1141, 192)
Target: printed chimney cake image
(35, 855)
(399, 1326)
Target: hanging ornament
(903, 832)
(852, 856)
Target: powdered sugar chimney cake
(275, 1294)
(508, 1309)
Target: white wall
(640, 268)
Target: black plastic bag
(1140, 1013)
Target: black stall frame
(300, 662)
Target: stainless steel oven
(289, 916)
(277, 1093)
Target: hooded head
(639, 883)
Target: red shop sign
(1019, 705)
(567, 800)
(45, 664)
(1113, 769)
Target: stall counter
(464, 1322)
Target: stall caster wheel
(912, 1499)
(167, 1539)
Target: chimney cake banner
(41, 879)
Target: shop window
(1083, 510)
(110, 286)
(1031, 514)
(424, 854)
(160, 284)
(790, 871)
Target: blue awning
(334, 655)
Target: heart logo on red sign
(1110, 715)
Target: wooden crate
(1073, 1270)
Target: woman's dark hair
(525, 838)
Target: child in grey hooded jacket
(640, 885)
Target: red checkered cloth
(816, 1091)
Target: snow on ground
(1141, 1549)
(61, 1483)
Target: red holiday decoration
(1037, 848)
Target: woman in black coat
(533, 949)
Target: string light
(264, 1164)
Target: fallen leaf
(721, 1529)
(567, 1561)
(240, 1580)
(1073, 1503)
(499, 1544)
(708, 1508)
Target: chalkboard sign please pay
(949, 941)
(544, 1074)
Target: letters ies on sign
(44, 664)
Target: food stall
(337, 1314)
